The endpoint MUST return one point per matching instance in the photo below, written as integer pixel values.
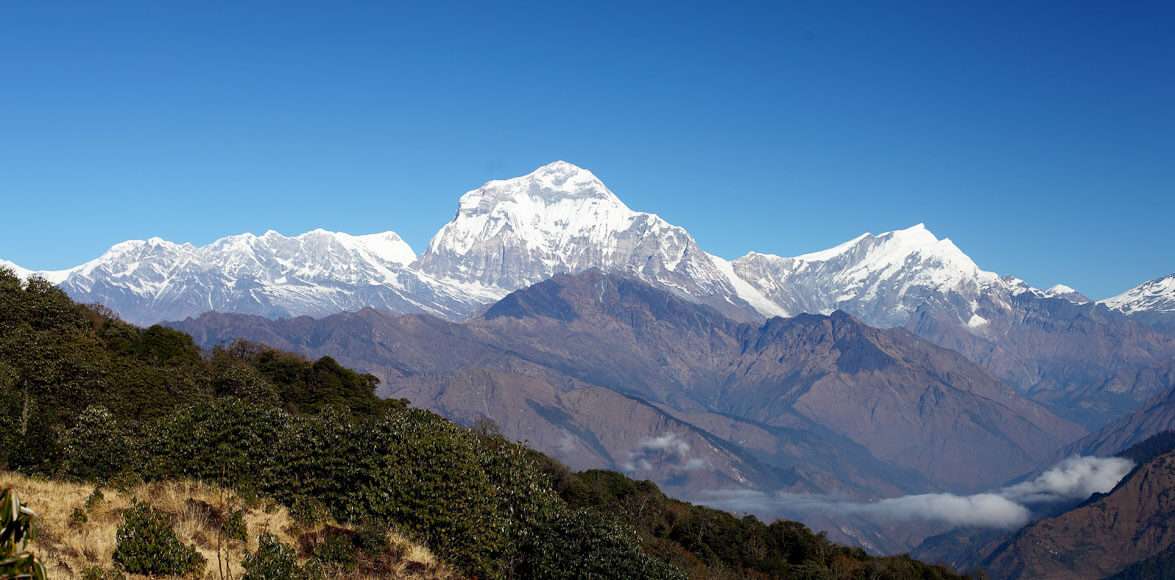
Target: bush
(308, 512)
(273, 560)
(233, 377)
(146, 544)
(234, 526)
(126, 481)
(226, 441)
(16, 530)
(77, 517)
(95, 498)
(426, 475)
(342, 548)
(371, 539)
(583, 544)
(337, 548)
(99, 573)
(96, 447)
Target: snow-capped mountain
(316, 273)
(54, 276)
(881, 279)
(1156, 295)
(1066, 292)
(562, 219)
(510, 233)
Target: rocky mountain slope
(605, 370)
(1086, 362)
(1154, 417)
(1103, 536)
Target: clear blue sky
(1038, 136)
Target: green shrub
(371, 538)
(337, 548)
(273, 560)
(226, 441)
(96, 447)
(126, 481)
(583, 544)
(146, 544)
(234, 527)
(308, 511)
(77, 517)
(233, 377)
(95, 498)
(425, 474)
(99, 573)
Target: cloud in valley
(1073, 479)
(667, 452)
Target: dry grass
(68, 547)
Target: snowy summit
(510, 233)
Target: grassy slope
(69, 548)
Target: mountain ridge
(507, 234)
(555, 362)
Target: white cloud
(1075, 478)
(667, 452)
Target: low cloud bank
(1073, 479)
(668, 452)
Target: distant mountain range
(603, 370)
(509, 234)
(1089, 362)
(889, 365)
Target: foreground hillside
(84, 397)
(78, 524)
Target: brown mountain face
(452, 369)
(1154, 417)
(1085, 362)
(603, 370)
(1103, 536)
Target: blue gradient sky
(1041, 138)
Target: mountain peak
(1065, 292)
(562, 168)
(1156, 295)
(880, 278)
(548, 185)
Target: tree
(96, 447)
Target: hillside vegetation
(87, 398)
(78, 523)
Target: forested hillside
(87, 398)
